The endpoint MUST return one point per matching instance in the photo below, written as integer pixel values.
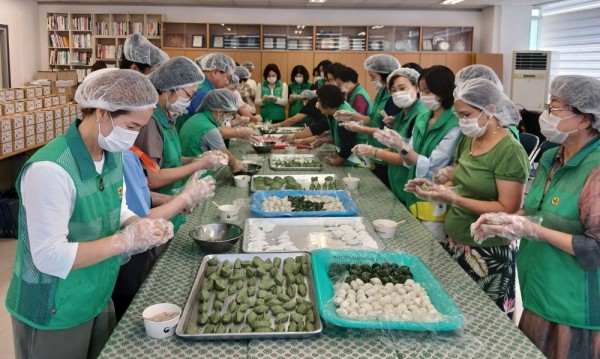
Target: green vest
(319, 82)
(334, 129)
(192, 132)
(381, 98)
(171, 158)
(47, 302)
(403, 124)
(271, 110)
(553, 284)
(359, 90)
(424, 141)
(296, 89)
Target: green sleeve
(513, 164)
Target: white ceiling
(349, 4)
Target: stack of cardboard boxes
(32, 115)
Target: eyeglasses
(190, 96)
(552, 109)
(464, 117)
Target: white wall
(24, 38)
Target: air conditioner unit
(532, 72)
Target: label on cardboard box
(6, 124)
(6, 136)
(49, 135)
(46, 91)
(58, 132)
(7, 148)
(19, 133)
(66, 111)
(9, 108)
(30, 141)
(47, 101)
(39, 103)
(30, 92)
(73, 109)
(58, 112)
(32, 121)
(58, 122)
(19, 121)
(30, 105)
(40, 117)
(2, 95)
(40, 127)
(29, 131)
(49, 115)
(40, 138)
(9, 95)
(19, 144)
(19, 106)
(50, 126)
(19, 94)
(62, 99)
(55, 101)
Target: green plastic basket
(322, 258)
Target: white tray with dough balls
(306, 234)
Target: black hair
(299, 69)
(330, 96)
(440, 81)
(393, 78)
(126, 64)
(346, 74)
(414, 66)
(269, 68)
(98, 65)
(322, 64)
(333, 69)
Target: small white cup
(351, 182)
(164, 329)
(385, 228)
(241, 180)
(229, 212)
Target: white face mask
(299, 79)
(344, 89)
(549, 127)
(402, 99)
(118, 140)
(272, 80)
(430, 102)
(377, 84)
(470, 126)
(322, 74)
(180, 106)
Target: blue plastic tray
(258, 197)
(322, 258)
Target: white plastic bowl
(229, 212)
(385, 228)
(164, 329)
(241, 180)
(351, 182)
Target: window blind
(572, 28)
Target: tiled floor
(7, 256)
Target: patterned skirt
(492, 268)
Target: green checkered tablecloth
(487, 334)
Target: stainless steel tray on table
(274, 159)
(304, 180)
(191, 314)
(306, 233)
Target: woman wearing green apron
(272, 95)
(559, 259)
(71, 208)
(431, 146)
(299, 82)
(176, 80)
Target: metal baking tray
(304, 180)
(308, 234)
(190, 312)
(279, 130)
(289, 157)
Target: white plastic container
(229, 212)
(161, 329)
(242, 180)
(351, 182)
(385, 228)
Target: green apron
(424, 141)
(296, 89)
(47, 302)
(358, 90)
(403, 124)
(192, 132)
(271, 110)
(553, 283)
(381, 98)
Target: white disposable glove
(364, 151)
(212, 159)
(239, 166)
(319, 142)
(391, 138)
(510, 226)
(353, 126)
(240, 121)
(343, 115)
(388, 120)
(196, 190)
(142, 235)
(286, 138)
(247, 133)
(432, 192)
(444, 175)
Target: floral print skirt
(492, 268)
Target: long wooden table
(488, 332)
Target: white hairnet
(138, 49)
(382, 63)
(248, 64)
(241, 72)
(219, 99)
(477, 71)
(581, 92)
(485, 95)
(234, 80)
(308, 94)
(112, 90)
(217, 61)
(176, 73)
(411, 74)
(198, 61)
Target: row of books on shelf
(82, 23)
(59, 57)
(81, 58)
(82, 40)
(104, 28)
(82, 73)
(108, 51)
(137, 27)
(59, 40)
(57, 22)
(153, 29)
